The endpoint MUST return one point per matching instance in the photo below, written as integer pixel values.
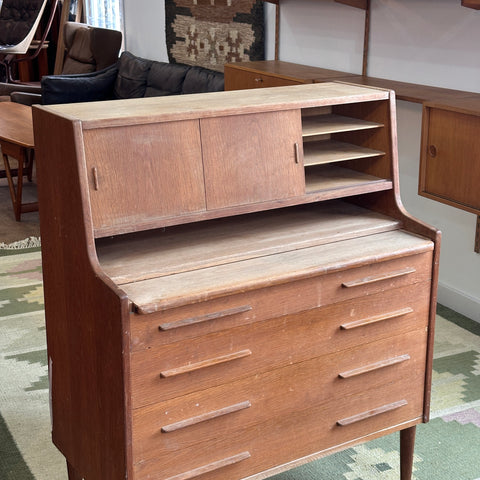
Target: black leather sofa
(130, 77)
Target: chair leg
(15, 193)
(407, 445)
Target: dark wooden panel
(449, 170)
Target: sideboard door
(252, 158)
(141, 172)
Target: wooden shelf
(327, 151)
(324, 178)
(331, 123)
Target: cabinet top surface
(179, 107)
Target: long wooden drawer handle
(204, 318)
(371, 413)
(205, 416)
(378, 278)
(196, 472)
(205, 363)
(377, 318)
(374, 366)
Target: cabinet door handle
(432, 150)
(95, 178)
(196, 472)
(377, 318)
(206, 416)
(205, 363)
(297, 152)
(204, 318)
(371, 413)
(374, 366)
(378, 278)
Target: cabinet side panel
(138, 173)
(84, 312)
(252, 158)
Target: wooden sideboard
(449, 172)
(232, 286)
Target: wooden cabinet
(225, 273)
(449, 167)
(273, 73)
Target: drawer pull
(377, 318)
(204, 318)
(378, 278)
(196, 472)
(206, 416)
(205, 363)
(374, 366)
(371, 413)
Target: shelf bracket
(477, 236)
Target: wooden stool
(16, 141)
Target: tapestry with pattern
(210, 33)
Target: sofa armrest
(26, 98)
(86, 87)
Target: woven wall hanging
(210, 33)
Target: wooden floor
(11, 230)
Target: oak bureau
(232, 285)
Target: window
(105, 13)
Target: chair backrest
(88, 49)
(19, 20)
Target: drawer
(195, 364)
(244, 80)
(191, 321)
(305, 402)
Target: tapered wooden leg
(72, 474)
(407, 445)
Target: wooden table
(16, 141)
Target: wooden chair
(19, 20)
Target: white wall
(417, 41)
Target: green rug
(447, 448)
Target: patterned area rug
(447, 448)
(210, 33)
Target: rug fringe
(29, 242)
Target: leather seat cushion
(165, 79)
(132, 76)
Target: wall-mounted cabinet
(449, 160)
